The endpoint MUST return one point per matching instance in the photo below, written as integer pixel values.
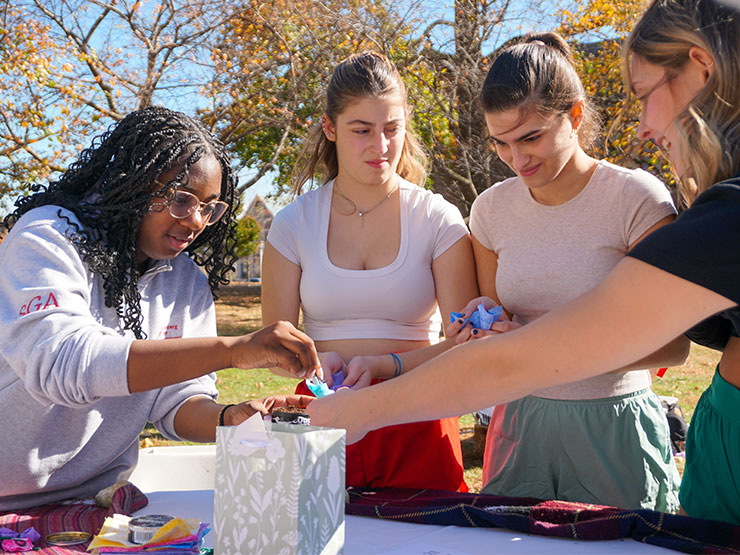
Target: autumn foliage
(255, 74)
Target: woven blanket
(60, 517)
(549, 518)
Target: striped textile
(58, 517)
(549, 518)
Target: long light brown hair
(709, 127)
(367, 74)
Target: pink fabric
(84, 517)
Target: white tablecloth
(168, 474)
(373, 535)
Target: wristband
(397, 365)
(222, 413)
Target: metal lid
(68, 537)
(149, 521)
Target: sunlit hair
(110, 189)
(537, 75)
(360, 76)
(709, 128)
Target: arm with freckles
(630, 314)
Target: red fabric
(58, 517)
(420, 455)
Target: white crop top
(397, 301)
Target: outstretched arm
(278, 345)
(198, 416)
(629, 315)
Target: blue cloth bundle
(481, 318)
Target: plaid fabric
(549, 518)
(58, 517)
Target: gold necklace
(363, 213)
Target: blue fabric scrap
(318, 387)
(481, 318)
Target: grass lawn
(238, 312)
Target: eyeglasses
(182, 204)
(667, 78)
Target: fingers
(335, 411)
(465, 334)
(454, 328)
(356, 369)
(302, 346)
(504, 326)
(299, 400)
(478, 333)
(292, 350)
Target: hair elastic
(398, 365)
(222, 413)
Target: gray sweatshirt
(70, 424)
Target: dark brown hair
(537, 74)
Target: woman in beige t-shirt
(541, 239)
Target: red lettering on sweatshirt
(172, 331)
(38, 303)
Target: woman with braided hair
(98, 267)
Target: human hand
(279, 345)
(462, 332)
(331, 363)
(239, 413)
(497, 328)
(337, 411)
(361, 370)
(487, 302)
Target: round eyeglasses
(182, 204)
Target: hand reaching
(239, 413)
(462, 332)
(361, 370)
(331, 363)
(336, 411)
(278, 345)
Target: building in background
(249, 268)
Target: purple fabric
(549, 518)
(60, 517)
(337, 380)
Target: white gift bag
(279, 489)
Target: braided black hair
(110, 188)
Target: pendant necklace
(363, 213)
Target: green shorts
(711, 480)
(614, 451)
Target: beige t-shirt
(549, 255)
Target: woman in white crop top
(371, 258)
(541, 239)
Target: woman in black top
(682, 63)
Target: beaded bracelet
(222, 413)
(397, 364)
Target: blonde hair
(537, 74)
(367, 74)
(709, 127)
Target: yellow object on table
(115, 532)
